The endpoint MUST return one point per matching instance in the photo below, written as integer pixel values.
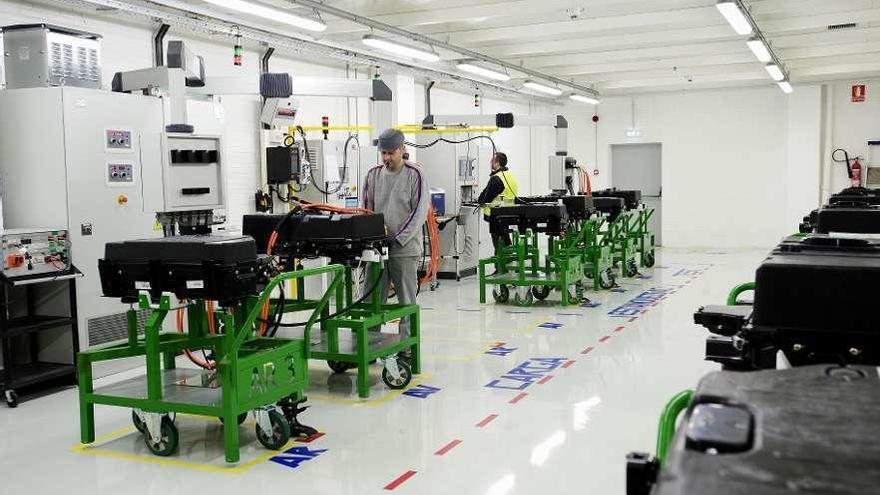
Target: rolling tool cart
(519, 266)
(642, 237)
(244, 373)
(825, 272)
(809, 429)
(628, 232)
(351, 336)
(623, 248)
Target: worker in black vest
(501, 189)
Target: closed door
(638, 166)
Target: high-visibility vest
(508, 195)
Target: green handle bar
(739, 289)
(666, 428)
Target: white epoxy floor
(566, 434)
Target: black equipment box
(814, 292)
(849, 218)
(550, 219)
(813, 429)
(282, 164)
(219, 268)
(610, 206)
(808, 224)
(856, 195)
(577, 207)
(632, 198)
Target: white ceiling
(628, 46)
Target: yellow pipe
(334, 128)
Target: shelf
(183, 385)
(32, 373)
(36, 323)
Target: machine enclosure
(859, 219)
(40, 55)
(545, 218)
(315, 229)
(577, 207)
(632, 198)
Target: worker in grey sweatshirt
(397, 189)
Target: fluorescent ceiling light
(759, 49)
(468, 66)
(775, 72)
(730, 10)
(542, 88)
(785, 86)
(398, 48)
(584, 99)
(271, 14)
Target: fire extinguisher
(853, 167)
(856, 177)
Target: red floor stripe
(449, 446)
(400, 480)
(634, 318)
(644, 311)
(545, 379)
(603, 339)
(568, 363)
(488, 419)
(521, 396)
(619, 329)
(312, 438)
(587, 350)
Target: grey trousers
(403, 271)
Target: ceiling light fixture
(785, 86)
(731, 11)
(584, 99)
(271, 14)
(548, 90)
(470, 67)
(775, 72)
(398, 48)
(757, 46)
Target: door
(638, 166)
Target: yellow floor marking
(370, 402)
(164, 461)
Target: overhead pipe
(159, 45)
(388, 28)
(264, 60)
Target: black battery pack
(609, 206)
(546, 218)
(577, 207)
(849, 218)
(631, 198)
(315, 229)
(812, 429)
(219, 268)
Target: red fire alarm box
(858, 93)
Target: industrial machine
(767, 432)
(351, 336)
(34, 252)
(221, 284)
(43, 55)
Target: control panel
(34, 252)
(117, 140)
(120, 173)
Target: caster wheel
(648, 260)
(241, 418)
(526, 300)
(400, 382)
(630, 269)
(541, 292)
(576, 295)
(339, 366)
(606, 279)
(280, 432)
(11, 398)
(501, 294)
(136, 421)
(169, 439)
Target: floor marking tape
(519, 397)
(619, 329)
(449, 446)
(488, 419)
(545, 379)
(569, 363)
(400, 480)
(634, 318)
(371, 402)
(587, 350)
(605, 338)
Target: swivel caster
(648, 259)
(11, 398)
(339, 366)
(292, 409)
(273, 430)
(160, 435)
(606, 279)
(523, 299)
(396, 373)
(541, 292)
(501, 294)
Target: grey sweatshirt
(403, 198)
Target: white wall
(850, 126)
(726, 171)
